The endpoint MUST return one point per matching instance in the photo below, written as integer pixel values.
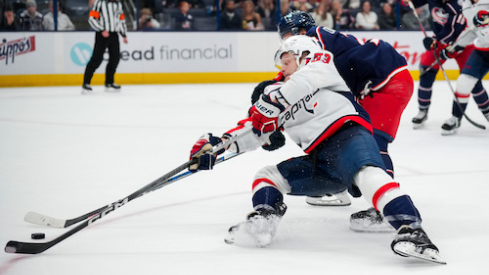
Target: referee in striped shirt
(107, 19)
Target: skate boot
(450, 126)
(415, 243)
(338, 199)
(369, 220)
(86, 89)
(420, 118)
(258, 229)
(112, 87)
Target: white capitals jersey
(480, 34)
(317, 102)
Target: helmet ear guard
(293, 22)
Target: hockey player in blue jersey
(378, 77)
(319, 113)
(448, 24)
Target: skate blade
(329, 200)
(407, 249)
(448, 132)
(418, 125)
(371, 227)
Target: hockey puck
(38, 236)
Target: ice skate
(86, 89)
(259, 228)
(112, 87)
(451, 125)
(415, 243)
(371, 221)
(339, 199)
(420, 118)
(486, 115)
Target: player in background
(319, 113)
(378, 77)
(448, 23)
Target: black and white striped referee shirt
(108, 15)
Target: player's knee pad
(270, 176)
(377, 186)
(465, 85)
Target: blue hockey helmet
(293, 21)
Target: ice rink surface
(64, 154)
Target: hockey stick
(437, 59)
(45, 220)
(36, 248)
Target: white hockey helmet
(298, 44)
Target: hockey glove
(430, 43)
(275, 141)
(481, 19)
(202, 151)
(258, 91)
(264, 115)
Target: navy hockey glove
(430, 43)
(258, 91)
(264, 115)
(202, 151)
(275, 141)
(481, 19)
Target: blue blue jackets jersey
(361, 64)
(448, 21)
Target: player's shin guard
(401, 211)
(425, 88)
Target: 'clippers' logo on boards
(10, 49)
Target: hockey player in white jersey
(477, 14)
(318, 112)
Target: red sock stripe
(258, 181)
(382, 191)
(459, 95)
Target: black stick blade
(26, 248)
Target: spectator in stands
(64, 22)
(353, 5)
(251, 19)
(8, 22)
(184, 21)
(322, 16)
(268, 13)
(302, 5)
(366, 19)
(284, 8)
(410, 22)
(387, 18)
(31, 19)
(230, 20)
(343, 20)
(194, 4)
(146, 20)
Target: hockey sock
(456, 111)
(401, 211)
(383, 143)
(425, 88)
(267, 198)
(481, 98)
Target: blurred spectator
(302, 5)
(230, 20)
(410, 22)
(8, 22)
(31, 19)
(64, 22)
(343, 20)
(266, 8)
(322, 16)
(353, 5)
(184, 20)
(387, 18)
(284, 8)
(251, 19)
(147, 21)
(366, 19)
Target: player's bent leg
(465, 84)
(399, 210)
(424, 96)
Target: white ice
(64, 154)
